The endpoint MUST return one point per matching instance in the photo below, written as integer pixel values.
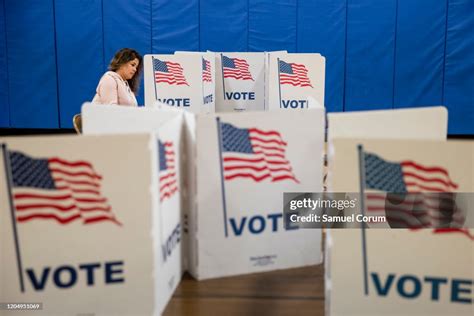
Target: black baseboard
(453, 137)
(35, 131)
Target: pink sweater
(112, 89)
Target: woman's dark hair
(122, 57)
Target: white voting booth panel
(181, 80)
(89, 226)
(118, 119)
(236, 221)
(268, 55)
(430, 123)
(293, 78)
(414, 123)
(240, 82)
(208, 73)
(407, 271)
(171, 250)
(99, 120)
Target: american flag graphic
(413, 195)
(57, 189)
(169, 72)
(167, 172)
(236, 68)
(206, 71)
(294, 74)
(254, 153)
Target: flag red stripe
(267, 141)
(271, 155)
(229, 168)
(84, 200)
(168, 184)
(101, 219)
(18, 196)
(464, 231)
(168, 194)
(38, 206)
(268, 148)
(77, 182)
(79, 163)
(170, 78)
(169, 175)
(67, 188)
(95, 208)
(423, 188)
(228, 74)
(171, 81)
(247, 175)
(243, 160)
(73, 174)
(280, 178)
(426, 179)
(266, 133)
(168, 190)
(289, 169)
(48, 216)
(273, 162)
(228, 159)
(409, 163)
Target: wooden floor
(286, 292)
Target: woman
(120, 84)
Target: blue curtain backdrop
(380, 54)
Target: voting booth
(86, 221)
(411, 271)
(184, 80)
(410, 123)
(243, 163)
(240, 82)
(111, 119)
(293, 78)
(118, 119)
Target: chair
(77, 122)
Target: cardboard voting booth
(118, 119)
(86, 231)
(240, 82)
(273, 54)
(102, 120)
(183, 80)
(414, 123)
(243, 163)
(403, 271)
(293, 78)
(172, 249)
